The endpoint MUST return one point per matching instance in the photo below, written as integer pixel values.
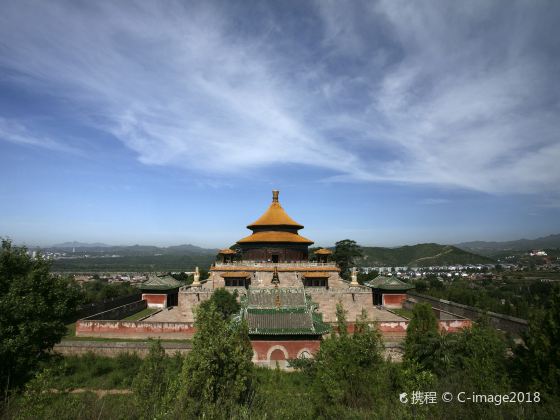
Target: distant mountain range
(420, 255)
(520, 245)
(429, 254)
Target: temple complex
(273, 263)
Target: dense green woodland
(216, 380)
(135, 263)
(97, 291)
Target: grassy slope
(141, 314)
(421, 255)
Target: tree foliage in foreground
(539, 357)
(217, 376)
(151, 382)
(345, 371)
(225, 302)
(33, 307)
(480, 349)
(421, 335)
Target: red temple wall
(393, 300)
(266, 350)
(155, 300)
(134, 329)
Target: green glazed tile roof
(388, 283)
(160, 283)
(295, 316)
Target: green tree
(99, 290)
(217, 376)
(346, 368)
(421, 335)
(151, 382)
(364, 278)
(345, 254)
(34, 306)
(479, 356)
(225, 302)
(538, 359)
(182, 277)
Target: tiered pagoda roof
(275, 226)
(282, 311)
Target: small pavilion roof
(323, 251)
(388, 283)
(275, 216)
(226, 251)
(160, 283)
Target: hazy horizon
(384, 122)
(164, 245)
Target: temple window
(237, 282)
(315, 282)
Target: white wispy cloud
(424, 98)
(15, 132)
(471, 103)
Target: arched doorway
(277, 358)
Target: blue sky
(386, 122)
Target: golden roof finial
(275, 196)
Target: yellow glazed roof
(275, 216)
(226, 251)
(236, 274)
(275, 236)
(318, 275)
(323, 251)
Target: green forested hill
(420, 255)
(135, 263)
(142, 259)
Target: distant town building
(537, 253)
